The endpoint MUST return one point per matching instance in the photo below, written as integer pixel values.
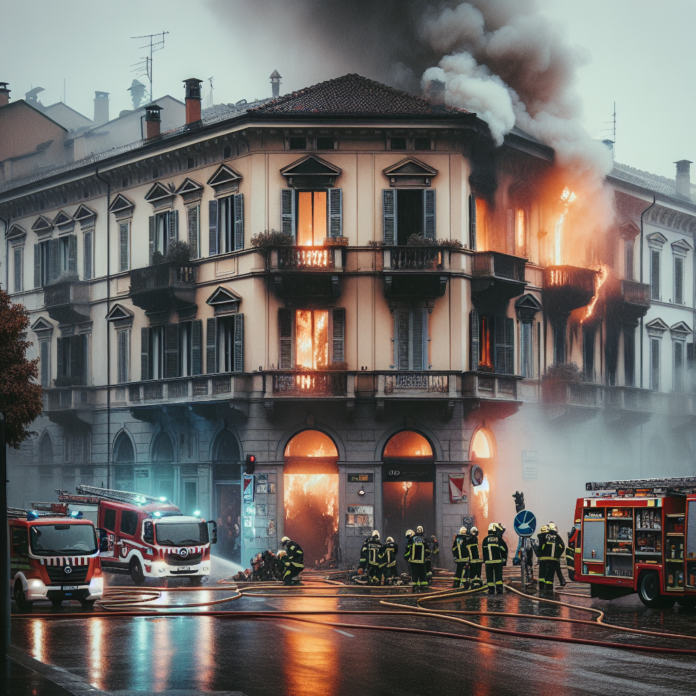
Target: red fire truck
(638, 536)
(53, 556)
(148, 537)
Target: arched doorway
(311, 495)
(407, 485)
(46, 449)
(228, 495)
(124, 461)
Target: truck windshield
(59, 539)
(182, 533)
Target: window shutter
(509, 346)
(121, 350)
(87, 240)
(45, 363)
(419, 339)
(678, 280)
(196, 347)
(504, 345)
(18, 270)
(72, 253)
(474, 340)
(211, 346)
(655, 274)
(429, 214)
(193, 212)
(171, 350)
(238, 365)
(655, 364)
(401, 339)
(338, 354)
(172, 228)
(285, 333)
(238, 221)
(629, 354)
(60, 358)
(212, 228)
(152, 239)
(287, 211)
(336, 212)
(144, 354)
(472, 223)
(54, 259)
(123, 246)
(389, 215)
(629, 259)
(37, 265)
(77, 357)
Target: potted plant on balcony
(266, 240)
(556, 379)
(335, 241)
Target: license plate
(184, 568)
(69, 587)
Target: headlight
(96, 585)
(36, 584)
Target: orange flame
(317, 490)
(599, 281)
(567, 197)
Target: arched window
(162, 449)
(481, 446)
(408, 445)
(46, 449)
(311, 443)
(226, 448)
(123, 450)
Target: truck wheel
(649, 591)
(23, 604)
(136, 572)
(196, 581)
(571, 575)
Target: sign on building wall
(360, 516)
(530, 461)
(360, 478)
(262, 484)
(408, 471)
(456, 488)
(248, 487)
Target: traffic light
(519, 501)
(250, 464)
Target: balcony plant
(335, 241)
(420, 240)
(179, 254)
(263, 241)
(556, 379)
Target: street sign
(525, 523)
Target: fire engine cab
(148, 537)
(53, 556)
(638, 536)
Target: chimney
(101, 108)
(437, 95)
(153, 122)
(137, 90)
(609, 144)
(683, 179)
(4, 94)
(193, 100)
(275, 83)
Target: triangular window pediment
(121, 204)
(159, 192)
(223, 175)
(84, 213)
(41, 326)
(410, 167)
(223, 296)
(189, 186)
(681, 247)
(529, 302)
(680, 328)
(16, 231)
(310, 166)
(42, 224)
(119, 312)
(63, 219)
(656, 326)
(629, 230)
(656, 240)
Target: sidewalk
(21, 681)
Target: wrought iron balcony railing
(496, 264)
(164, 286)
(414, 258)
(305, 383)
(306, 258)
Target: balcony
(629, 300)
(497, 277)
(628, 406)
(496, 395)
(67, 302)
(567, 288)
(415, 271)
(572, 402)
(163, 287)
(306, 272)
(300, 383)
(69, 407)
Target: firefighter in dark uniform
(373, 548)
(416, 546)
(557, 564)
(293, 561)
(433, 551)
(551, 549)
(461, 559)
(388, 561)
(570, 553)
(495, 554)
(475, 560)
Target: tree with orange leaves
(20, 395)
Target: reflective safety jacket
(570, 549)
(494, 549)
(460, 550)
(295, 554)
(472, 547)
(416, 549)
(388, 554)
(373, 549)
(551, 547)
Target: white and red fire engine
(53, 556)
(148, 537)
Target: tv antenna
(611, 127)
(144, 67)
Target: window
(152, 353)
(54, 257)
(20, 543)
(226, 152)
(678, 372)
(129, 522)
(397, 143)
(408, 212)
(310, 216)
(163, 232)
(297, 142)
(311, 338)
(492, 343)
(45, 363)
(124, 246)
(655, 364)
(478, 223)
(588, 352)
(190, 163)
(174, 350)
(654, 274)
(72, 361)
(18, 256)
(225, 344)
(520, 222)
(423, 143)
(325, 142)
(526, 349)
(629, 246)
(411, 339)
(109, 520)
(88, 241)
(226, 224)
(123, 356)
(194, 230)
(629, 355)
(678, 280)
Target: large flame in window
(312, 336)
(567, 197)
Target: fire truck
(638, 536)
(53, 556)
(148, 537)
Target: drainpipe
(7, 257)
(641, 280)
(108, 333)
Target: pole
(5, 547)
(523, 563)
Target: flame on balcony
(313, 258)
(600, 279)
(567, 197)
(312, 340)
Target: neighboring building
(67, 116)
(366, 374)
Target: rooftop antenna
(611, 129)
(144, 67)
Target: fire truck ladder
(654, 485)
(119, 496)
(20, 513)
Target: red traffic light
(250, 463)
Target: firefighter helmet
(544, 530)
(493, 527)
(375, 535)
(284, 540)
(409, 533)
(474, 531)
(419, 530)
(462, 530)
(553, 527)
(390, 540)
(282, 553)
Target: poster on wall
(360, 516)
(248, 487)
(262, 484)
(456, 488)
(530, 462)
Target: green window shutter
(418, 319)
(193, 220)
(474, 340)
(238, 364)
(655, 364)
(60, 358)
(678, 280)
(285, 333)
(429, 214)
(389, 216)
(88, 255)
(123, 246)
(72, 253)
(144, 354)
(121, 357)
(77, 358)
(45, 363)
(196, 347)
(655, 274)
(335, 212)
(18, 270)
(172, 228)
(287, 211)
(171, 350)
(238, 221)
(212, 228)
(53, 259)
(151, 240)
(504, 345)
(401, 339)
(211, 346)
(472, 222)
(338, 354)
(37, 266)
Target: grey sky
(640, 54)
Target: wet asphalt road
(258, 657)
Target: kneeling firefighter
(415, 555)
(388, 564)
(461, 559)
(475, 560)
(293, 561)
(494, 554)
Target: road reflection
(310, 664)
(96, 652)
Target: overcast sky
(640, 55)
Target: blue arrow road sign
(525, 523)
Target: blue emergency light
(32, 515)
(196, 513)
(163, 499)
(76, 514)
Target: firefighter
(293, 561)
(373, 549)
(415, 555)
(551, 548)
(432, 552)
(570, 553)
(388, 556)
(495, 553)
(475, 560)
(557, 563)
(461, 559)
